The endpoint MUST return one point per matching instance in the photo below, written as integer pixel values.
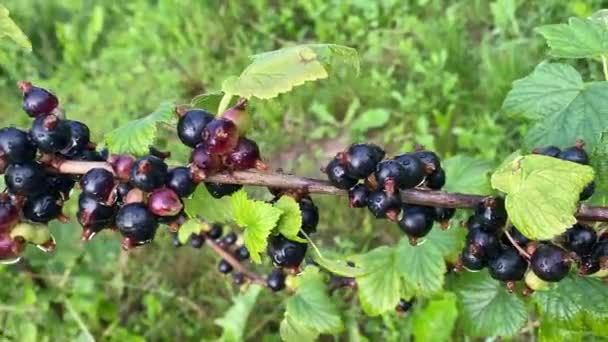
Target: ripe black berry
(338, 176)
(550, 263)
(136, 224)
(276, 280)
(444, 214)
(180, 181)
(9, 215)
(600, 252)
(191, 124)
(62, 184)
(148, 173)
(492, 211)
(224, 267)
(164, 202)
(42, 208)
(471, 261)
(575, 154)
(429, 158)
(25, 178)
(219, 190)
(215, 232)
(204, 162)
(229, 239)
(580, 239)
(404, 305)
(50, 133)
(310, 215)
(241, 253)
(479, 222)
(37, 101)
(357, 196)
(122, 189)
(94, 216)
(406, 172)
(16, 146)
(246, 155)
(382, 205)
(220, 136)
(238, 278)
(284, 252)
(517, 236)
(98, 182)
(361, 159)
(550, 151)
(197, 241)
(436, 180)
(587, 192)
(80, 139)
(508, 266)
(482, 243)
(588, 265)
(416, 221)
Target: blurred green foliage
(433, 72)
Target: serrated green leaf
(276, 72)
(208, 101)
(369, 119)
(235, 319)
(187, 229)
(488, 309)
(203, 206)
(135, 137)
(580, 38)
(422, 267)
(311, 307)
(599, 162)
(436, 320)
(338, 267)
(449, 242)
(257, 218)
(291, 218)
(8, 28)
(542, 193)
(467, 175)
(564, 108)
(292, 331)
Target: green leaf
(235, 319)
(567, 300)
(542, 193)
(292, 331)
(136, 136)
(311, 307)
(467, 175)
(276, 72)
(488, 309)
(436, 320)
(564, 108)
(449, 242)
(580, 38)
(203, 206)
(599, 162)
(369, 119)
(190, 227)
(338, 267)
(257, 219)
(422, 266)
(291, 218)
(8, 28)
(208, 102)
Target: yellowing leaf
(9, 29)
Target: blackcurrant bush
(482, 243)
(575, 154)
(25, 178)
(241, 253)
(580, 239)
(587, 192)
(136, 224)
(276, 280)
(224, 267)
(550, 151)
(550, 263)
(215, 232)
(509, 265)
(148, 173)
(180, 181)
(197, 241)
(122, 165)
(220, 136)
(42, 208)
(94, 216)
(204, 162)
(338, 176)
(471, 261)
(361, 159)
(219, 190)
(229, 239)
(9, 215)
(416, 221)
(382, 205)
(50, 133)
(310, 215)
(246, 155)
(404, 305)
(164, 202)
(98, 182)
(436, 180)
(37, 101)
(357, 196)
(191, 124)
(284, 252)
(444, 214)
(492, 211)
(16, 146)
(80, 139)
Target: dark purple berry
(430, 159)
(25, 179)
(479, 222)
(219, 190)
(90, 155)
(164, 202)
(509, 265)
(550, 263)
(471, 261)
(94, 216)
(122, 165)
(224, 267)
(382, 205)
(483, 244)
(580, 239)
(197, 241)
(37, 101)
(357, 196)
(122, 189)
(444, 214)
(180, 181)
(241, 253)
(405, 171)
(238, 278)
(600, 252)
(436, 180)
(550, 151)
(246, 155)
(220, 136)
(517, 236)
(42, 208)
(575, 154)
(148, 173)
(62, 184)
(80, 139)
(136, 224)
(215, 232)
(16, 146)
(310, 215)
(587, 192)
(338, 176)
(276, 280)
(9, 215)
(98, 182)
(229, 239)
(205, 162)
(492, 211)
(284, 252)
(51, 134)
(588, 265)
(361, 159)
(191, 124)
(416, 221)
(404, 305)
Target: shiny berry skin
(122, 165)
(51, 134)
(25, 179)
(404, 305)
(588, 265)
(94, 215)
(361, 159)
(284, 252)
(241, 253)
(215, 232)
(517, 236)
(219, 190)
(191, 124)
(180, 181)
(135, 222)
(600, 250)
(580, 239)
(357, 196)
(37, 101)
(205, 161)
(197, 241)
(10, 248)
(80, 137)
(42, 208)
(9, 215)
(224, 267)
(16, 146)
(550, 151)
(164, 202)
(148, 173)
(276, 280)
(429, 158)
(479, 222)
(229, 239)
(587, 192)
(509, 265)
(245, 155)
(444, 214)
(492, 211)
(407, 172)
(471, 261)
(122, 189)
(379, 203)
(220, 136)
(550, 263)
(338, 176)
(310, 215)
(98, 182)
(416, 221)
(483, 244)
(62, 184)
(575, 154)
(436, 180)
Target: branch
(312, 185)
(236, 265)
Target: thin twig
(521, 251)
(236, 265)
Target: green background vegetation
(432, 72)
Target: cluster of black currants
(375, 183)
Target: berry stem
(521, 251)
(236, 265)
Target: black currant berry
(357, 196)
(122, 165)
(284, 252)
(587, 192)
(436, 180)
(98, 182)
(416, 221)
(310, 215)
(191, 124)
(80, 137)
(136, 224)
(471, 261)
(276, 280)
(575, 154)
(37, 101)
(148, 173)
(220, 136)
(180, 181)
(204, 162)
(580, 239)
(550, 263)
(197, 241)
(404, 305)
(479, 222)
(175, 240)
(229, 239)
(338, 176)
(90, 155)
(42, 208)
(403, 173)
(219, 190)
(62, 184)
(509, 265)
(492, 211)
(550, 151)
(241, 253)
(238, 278)
(600, 252)
(224, 267)
(16, 146)
(246, 155)
(483, 244)
(50, 133)
(25, 178)
(361, 159)
(382, 205)
(94, 216)
(429, 158)
(588, 265)
(122, 189)
(164, 202)
(215, 232)
(9, 215)
(444, 214)
(517, 236)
